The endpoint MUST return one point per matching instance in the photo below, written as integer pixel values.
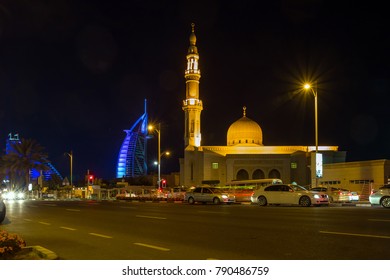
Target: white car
(288, 194)
(208, 195)
(381, 197)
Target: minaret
(192, 105)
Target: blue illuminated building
(132, 155)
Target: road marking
(128, 207)
(44, 223)
(378, 220)
(151, 217)
(49, 204)
(75, 210)
(152, 247)
(28, 220)
(213, 212)
(68, 228)
(100, 235)
(356, 234)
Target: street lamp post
(308, 86)
(158, 130)
(71, 168)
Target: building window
(214, 165)
(294, 165)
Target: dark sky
(74, 74)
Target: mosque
(246, 157)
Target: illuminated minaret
(192, 105)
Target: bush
(10, 244)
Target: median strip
(356, 234)
(152, 247)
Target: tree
(24, 156)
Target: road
(104, 230)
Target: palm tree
(24, 156)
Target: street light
(71, 167)
(158, 130)
(307, 87)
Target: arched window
(242, 174)
(258, 174)
(274, 174)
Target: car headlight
(316, 196)
(224, 196)
(20, 195)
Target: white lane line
(68, 228)
(44, 223)
(99, 235)
(75, 210)
(213, 212)
(28, 220)
(151, 217)
(378, 220)
(356, 234)
(152, 247)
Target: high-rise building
(132, 154)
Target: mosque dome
(244, 132)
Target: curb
(43, 252)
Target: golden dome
(244, 132)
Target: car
(208, 195)
(14, 195)
(381, 197)
(2, 210)
(291, 194)
(337, 194)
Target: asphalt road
(103, 230)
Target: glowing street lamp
(158, 130)
(308, 87)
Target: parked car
(381, 197)
(208, 195)
(337, 194)
(2, 210)
(288, 194)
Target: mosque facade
(245, 156)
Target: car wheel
(262, 201)
(191, 200)
(305, 201)
(216, 200)
(385, 202)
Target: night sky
(75, 74)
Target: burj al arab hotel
(132, 154)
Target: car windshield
(216, 190)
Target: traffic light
(90, 179)
(163, 183)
